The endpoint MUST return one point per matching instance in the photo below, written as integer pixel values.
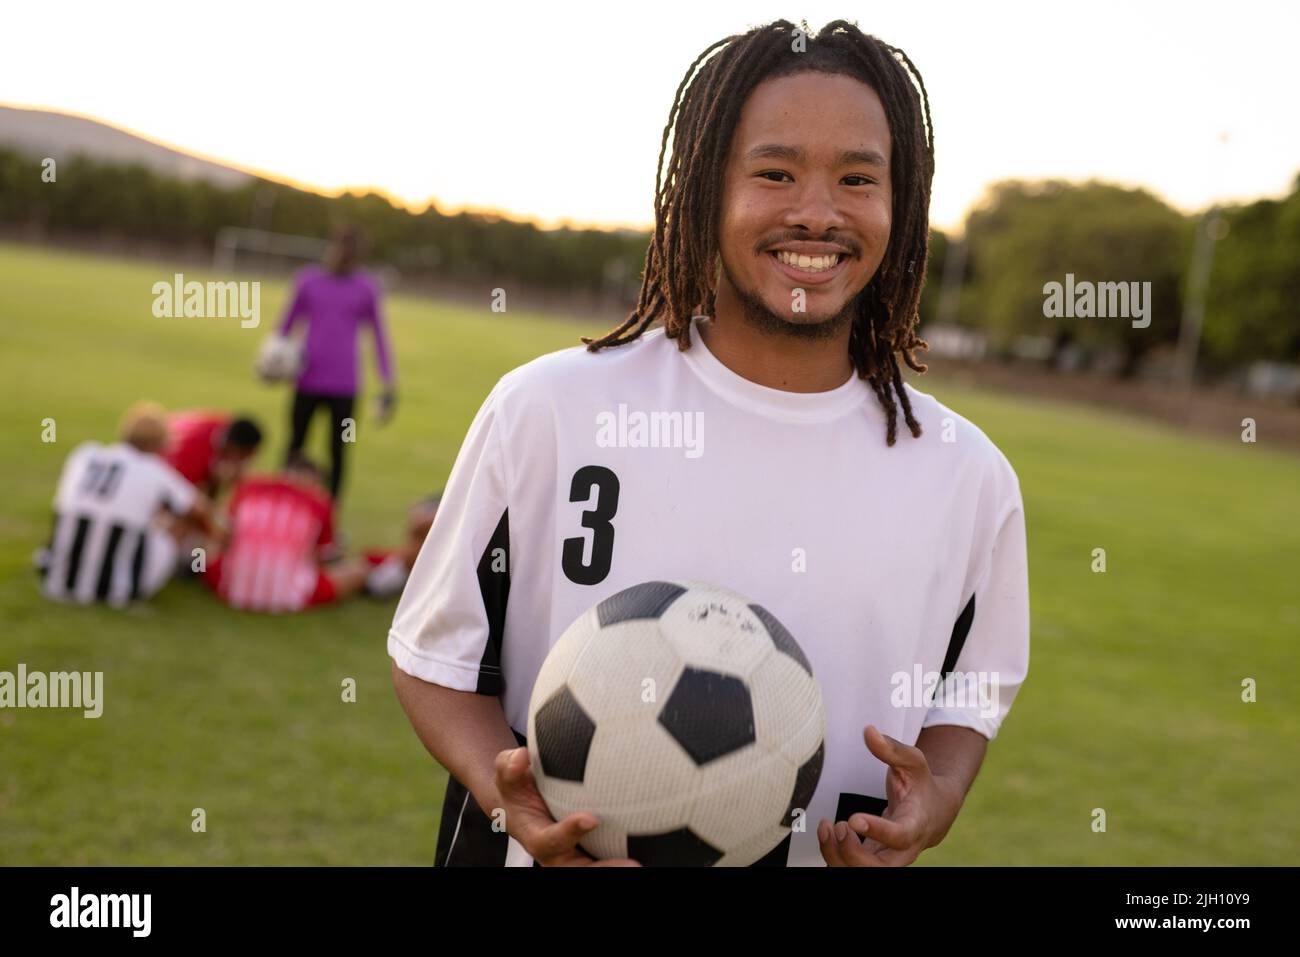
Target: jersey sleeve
(378, 325)
(448, 626)
(297, 305)
(977, 690)
(177, 492)
(73, 470)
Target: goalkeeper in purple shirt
(336, 301)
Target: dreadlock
(677, 283)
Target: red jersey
(270, 563)
(192, 443)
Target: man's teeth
(810, 263)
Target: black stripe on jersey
(465, 835)
(960, 629)
(851, 804)
(106, 565)
(74, 557)
(495, 588)
(137, 563)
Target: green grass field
(1133, 702)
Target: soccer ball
(279, 359)
(686, 718)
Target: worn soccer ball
(686, 718)
(279, 359)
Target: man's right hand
(551, 843)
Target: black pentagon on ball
(782, 638)
(647, 600)
(709, 714)
(680, 848)
(564, 732)
(805, 783)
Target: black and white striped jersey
(901, 571)
(103, 547)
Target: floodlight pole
(1198, 282)
(1211, 228)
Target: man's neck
(789, 363)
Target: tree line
(1022, 236)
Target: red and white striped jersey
(276, 527)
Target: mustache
(843, 243)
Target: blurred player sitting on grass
(281, 527)
(211, 449)
(281, 531)
(118, 513)
(392, 567)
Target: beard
(757, 314)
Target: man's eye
(861, 180)
(774, 172)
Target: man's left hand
(920, 812)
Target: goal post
(239, 246)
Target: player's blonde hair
(145, 426)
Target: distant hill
(42, 133)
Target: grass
(1133, 702)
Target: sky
(554, 112)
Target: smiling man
(784, 274)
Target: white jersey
(103, 547)
(592, 472)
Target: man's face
(341, 255)
(807, 176)
(230, 464)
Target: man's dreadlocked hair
(678, 281)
